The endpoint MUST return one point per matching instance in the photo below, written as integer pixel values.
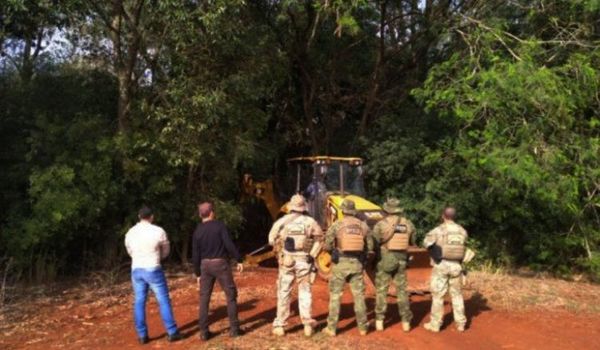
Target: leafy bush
(518, 155)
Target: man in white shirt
(147, 244)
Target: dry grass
(510, 292)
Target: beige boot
(278, 331)
(328, 331)
(362, 331)
(460, 327)
(406, 326)
(428, 326)
(379, 325)
(308, 330)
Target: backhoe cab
(325, 182)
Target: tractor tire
(324, 264)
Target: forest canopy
(490, 106)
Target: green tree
(71, 179)
(521, 160)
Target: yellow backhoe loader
(325, 182)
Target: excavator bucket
(255, 260)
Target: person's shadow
(474, 306)
(321, 320)
(215, 315)
(248, 324)
(260, 319)
(346, 312)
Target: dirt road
(72, 321)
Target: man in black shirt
(211, 250)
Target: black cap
(145, 212)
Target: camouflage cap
(392, 206)
(297, 203)
(348, 207)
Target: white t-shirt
(147, 245)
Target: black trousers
(220, 270)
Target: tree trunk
(26, 66)
(378, 66)
(307, 105)
(29, 58)
(184, 227)
(124, 102)
(126, 40)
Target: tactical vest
(294, 237)
(350, 235)
(452, 241)
(399, 232)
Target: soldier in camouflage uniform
(392, 235)
(352, 241)
(446, 244)
(295, 262)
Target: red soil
(71, 323)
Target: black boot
(236, 332)
(206, 335)
(174, 337)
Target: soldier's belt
(297, 256)
(387, 250)
(357, 255)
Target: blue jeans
(155, 279)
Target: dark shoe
(174, 337)
(144, 340)
(234, 333)
(206, 335)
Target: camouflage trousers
(446, 277)
(392, 267)
(300, 273)
(347, 270)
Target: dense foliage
(490, 106)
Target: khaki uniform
(446, 277)
(392, 266)
(349, 269)
(294, 266)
